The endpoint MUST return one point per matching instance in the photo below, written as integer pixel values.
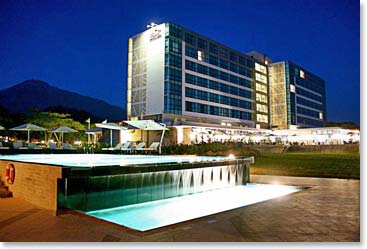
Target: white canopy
(147, 125)
(2, 128)
(111, 126)
(28, 128)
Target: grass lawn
(334, 165)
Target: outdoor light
(231, 156)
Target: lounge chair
(19, 146)
(152, 148)
(33, 146)
(3, 147)
(117, 147)
(126, 147)
(67, 147)
(139, 147)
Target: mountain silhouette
(37, 94)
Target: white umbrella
(149, 125)
(28, 128)
(111, 126)
(62, 130)
(1, 128)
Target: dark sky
(82, 45)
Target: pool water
(155, 214)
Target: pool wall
(34, 183)
(100, 188)
(55, 187)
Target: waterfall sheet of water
(118, 190)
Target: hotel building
(200, 86)
(177, 76)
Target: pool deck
(328, 211)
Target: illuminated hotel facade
(184, 79)
(178, 76)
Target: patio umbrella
(28, 128)
(111, 126)
(1, 128)
(62, 130)
(149, 125)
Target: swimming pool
(88, 182)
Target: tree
(51, 120)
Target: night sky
(81, 46)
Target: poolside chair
(117, 147)
(19, 146)
(66, 146)
(139, 147)
(152, 148)
(126, 147)
(33, 146)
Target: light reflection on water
(155, 214)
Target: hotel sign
(156, 34)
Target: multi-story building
(200, 86)
(178, 76)
(297, 97)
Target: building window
(261, 98)
(260, 68)
(321, 116)
(190, 39)
(261, 118)
(261, 88)
(213, 48)
(292, 88)
(261, 108)
(202, 44)
(301, 74)
(260, 77)
(200, 56)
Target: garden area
(341, 161)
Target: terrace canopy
(111, 126)
(28, 128)
(149, 125)
(62, 130)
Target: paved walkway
(327, 211)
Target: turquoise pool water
(96, 160)
(155, 214)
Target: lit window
(262, 118)
(301, 74)
(321, 116)
(261, 88)
(260, 68)
(260, 77)
(293, 88)
(261, 97)
(262, 108)
(200, 56)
